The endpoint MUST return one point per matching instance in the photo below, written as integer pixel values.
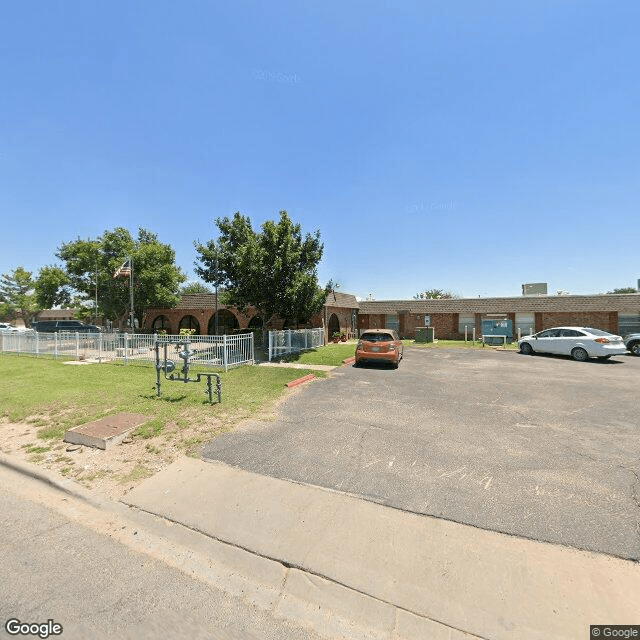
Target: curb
(350, 360)
(68, 486)
(299, 381)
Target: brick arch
(189, 322)
(161, 322)
(333, 325)
(227, 322)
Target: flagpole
(131, 293)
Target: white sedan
(581, 343)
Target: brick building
(617, 313)
(207, 316)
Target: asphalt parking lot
(536, 446)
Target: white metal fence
(221, 351)
(293, 341)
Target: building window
(525, 324)
(628, 323)
(466, 322)
(392, 321)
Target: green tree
(434, 294)
(17, 293)
(624, 290)
(193, 288)
(52, 288)
(274, 270)
(91, 264)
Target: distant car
(632, 343)
(379, 345)
(53, 326)
(581, 343)
(5, 326)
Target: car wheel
(579, 354)
(634, 347)
(525, 349)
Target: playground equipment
(183, 347)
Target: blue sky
(470, 146)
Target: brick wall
(600, 311)
(605, 320)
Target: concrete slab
(537, 447)
(333, 610)
(106, 432)
(466, 579)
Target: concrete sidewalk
(296, 365)
(339, 560)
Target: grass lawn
(55, 396)
(42, 398)
(331, 354)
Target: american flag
(124, 270)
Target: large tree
(17, 294)
(434, 294)
(624, 290)
(52, 287)
(91, 265)
(193, 288)
(273, 270)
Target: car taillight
(359, 347)
(602, 340)
(393, 347)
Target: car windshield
(376, 337)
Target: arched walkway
(161, 323)
(334, 325)
(226, 323)
(189, 322)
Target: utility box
(425, 334)
(499, 327)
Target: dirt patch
(113, 472)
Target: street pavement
(320, 522)
(541, 447)
(66, 561)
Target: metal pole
(131, 292)
(95, 309)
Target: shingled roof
(342, 300)
(208, 301)
(620, 302)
